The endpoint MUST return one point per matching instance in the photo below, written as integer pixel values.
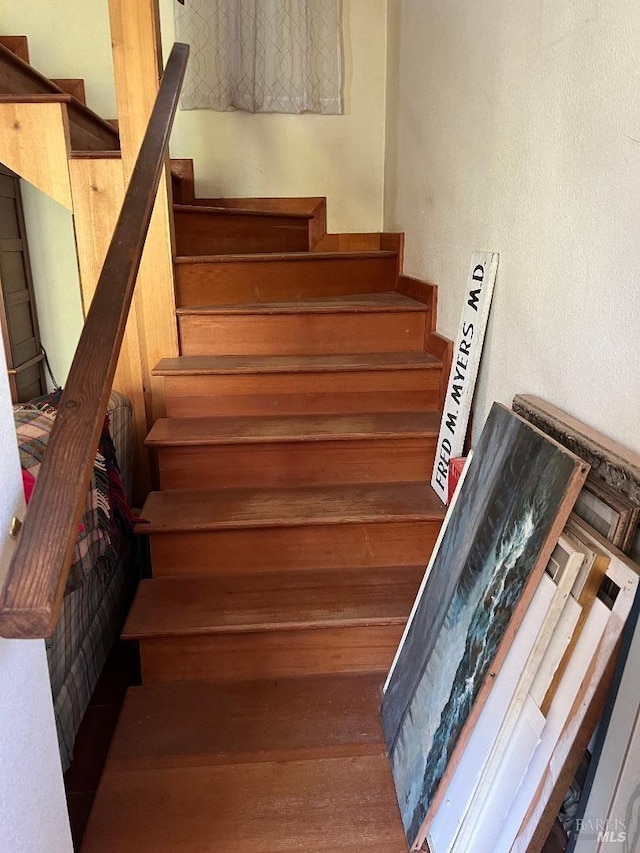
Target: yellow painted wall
(68, 39)
(342, 157)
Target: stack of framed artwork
(505, 663)
(608, 810)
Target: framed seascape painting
(510, 509)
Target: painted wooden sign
(464, 368)
(506, 519)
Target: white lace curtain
(262, 55)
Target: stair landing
(267, 766)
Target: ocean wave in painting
(507, 506)
(452, 678)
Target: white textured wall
(33, 813)
(514, 127)
(342, 157)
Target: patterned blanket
(106, 506)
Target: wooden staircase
(288, 541)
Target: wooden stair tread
(318, 805)
(36, 98)
(228, 509)
(95, 155)
(308, 599)
(366, 302)
(167, 432)
(307, 205)
(248, 721)
(241, 211)
(278, 257)
(200, 365)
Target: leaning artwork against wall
(510, 510)
(614, 479)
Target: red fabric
(455, 469)
(28, 484)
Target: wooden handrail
(31, 597)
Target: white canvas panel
(565, 563)
(576, 671)
(617, 762)
(513, 767)
(559, 641)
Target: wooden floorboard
(272, 602)
(206, 509)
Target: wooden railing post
(135, 36)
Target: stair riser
(274, 654)
(221, 234)
(303, 393)
(279, 549)
(296, 463)
(182, 181)
(302, 334)
(238, 282)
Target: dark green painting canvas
(511, 507)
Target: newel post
(135, 37)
